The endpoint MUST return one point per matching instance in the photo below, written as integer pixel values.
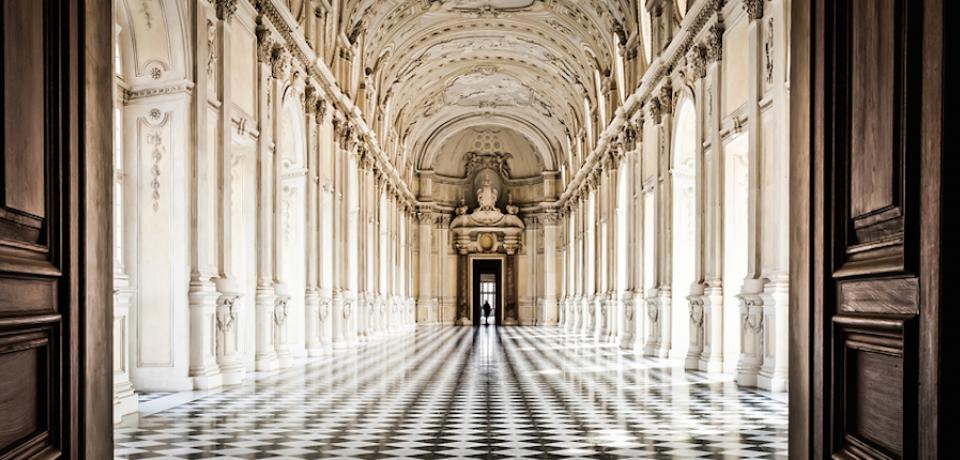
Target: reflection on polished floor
(487, 392)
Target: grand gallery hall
(487, 229)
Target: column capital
(696, 62)
(310, 96)
(714, 42)
(426, 218)
(754, 9)
(550, 218)
(264, 44)
(280, 63)
(666, 97)
(653, 106)
(320, 108)
(226, 9)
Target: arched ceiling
(526, 67)
(523, 161)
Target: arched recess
(428, 150)
(735, 243)
(683, 219)
(623, 227)
(152, 41)
(623, 250)
(291, 256)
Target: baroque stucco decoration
(487, 229)
(441, 66)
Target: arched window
(683, 220)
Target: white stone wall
(711, 292)
(245, 181)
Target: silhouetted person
(486, 312)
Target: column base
(125, 401)
(665, 304)
(711, 365)
(284, 360)
(207, 378)
(233, 375)
(267, 363)
(746, 378)
(776, 383)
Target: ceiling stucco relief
(526, 68)
(488, 88)
(487, 5)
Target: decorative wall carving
(496, 161)
(768, 51)
(147, 12)
(155, 140)
(211, 56)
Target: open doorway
(487, 289)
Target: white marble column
(551, 313)
(312, 295)
(573, 262)
(711, 357)
(350, 311)
(324, 254)
(230, 291)
(651, 294)
(626, 215)
(563, 316)
(265, 294)
(590, 258)
(341, 133)
(125, 399)
(776, 199)
(367, 247)
(637, 255)
(664, 223)
(527, 273)
(426, 301)
(751, 303)
(202, 292)
(601, 326)
(696, 314)
(380, 233)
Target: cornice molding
(649, 94)
(180, 87)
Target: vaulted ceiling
(527, 67)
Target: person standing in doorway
(486, 312)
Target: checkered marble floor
(488, 392)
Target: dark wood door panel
(868, 290)
(23, 205)
(875, 391)
(877, 138)
(34, 346)
(28, 398)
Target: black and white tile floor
(488, 392)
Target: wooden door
(54, 191)
(870, 256)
